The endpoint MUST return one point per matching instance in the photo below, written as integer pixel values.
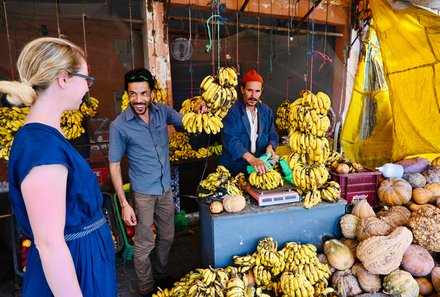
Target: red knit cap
(252, 75)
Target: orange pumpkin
(421, 195)
(394, 191)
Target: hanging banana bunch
(282, 115)
(160, 94)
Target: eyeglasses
(138, 76)
(90, 79)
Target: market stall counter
(227, 234)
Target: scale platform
(280, 195)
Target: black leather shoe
(166, 282)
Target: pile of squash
(396, 251)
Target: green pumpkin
(400, 283)
(416, 180)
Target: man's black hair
(137, 75)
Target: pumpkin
(422, 195)
(234, 203)
(425, 286)
(383, 254)
(346, 283)
(394, 215)
(369, 282)
(400, 283)
(425, 226)
(432, 174)
(435, 278)
(372, 226)
(434, 188)
(342, 168)
(435, 162)
(338, 254)
(363, 210)
(417, 260)
(394, 191)
(416, 180)
(348, 225)
(216, 207)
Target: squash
(395, 215)
(394, 191)
(417, 260)
(216, 207)
(435, 278)
(412, 206)
(432, 174)
(234, 203)
(425, 226)
(363, 210)
(348, 225)
(400, 283)
(416, 180)
(369, 282)
(425, 286)
(372, 226)
(350, 243)
(422, 195)
(383, 254)
(435, 162)
(435, 189)
(338, 254)
(346, 283)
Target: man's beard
(135, 110)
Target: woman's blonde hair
(39, 64)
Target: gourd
(422, 195)
(372, 226)
(369, 282)
(363, 210)
(435, 189)
(338, 254)
(348, 225)
(395, 215)
(400, 283)
(432, 174)
(346, 283)
(216, 207)
(425, 286)
(234, 203)
(383, 254)
(350, 243)
(416, 180)
(342, 168)
(417, 260)
(435, 278)
(394, 191)
(425, 226)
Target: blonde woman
(53, 192)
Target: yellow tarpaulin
(383, 126)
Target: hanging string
(288, 32)
(209, 46)
(9, 42)
(218, 37)
(190, 62)
(58, 19)
(312, 47)
(326, 25)
(84, 38)
(271, 52)
(130, 6)
(258, 38)
(236, 41)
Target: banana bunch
(160, 94)
(282, 121)
(333, 156)
(335, 159)
(240, 181)
(203, 153)
(11, 120)
(244, 263)
(320, 102)
(266, 181)
(311, 198)
(308, 120)
(125, 101)
(235, 287)
(262, 277)
(216, 149)
(164, 293)
(330, 191)
(189, 104)
(71, 124)
(185, 153)
(309, 177)
(177, 140)
(227, 77)
(267, 243)
(232, 189)
(198, 122)
(89, 109)
(296, 285)
(316, 148)
(216, 179)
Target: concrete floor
(185, 256)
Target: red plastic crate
(357, 186)
(101, 175)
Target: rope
(190, 63)
(58, 20)
(218, 37)
(258, 41)
(130, 4)
(84, 38)
(9, 42)
(311, 52)
(236, 46)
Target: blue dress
(87, 235)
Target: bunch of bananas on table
(341, 164)
(309, 177)
(180, 149)
(266, 181)
(219, 94)
(315, 148)
(221, 178)
(282, 121)
(330, 191)
(216, 149)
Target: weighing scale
(280, 195)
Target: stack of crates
(128, 251)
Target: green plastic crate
(128, 251)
